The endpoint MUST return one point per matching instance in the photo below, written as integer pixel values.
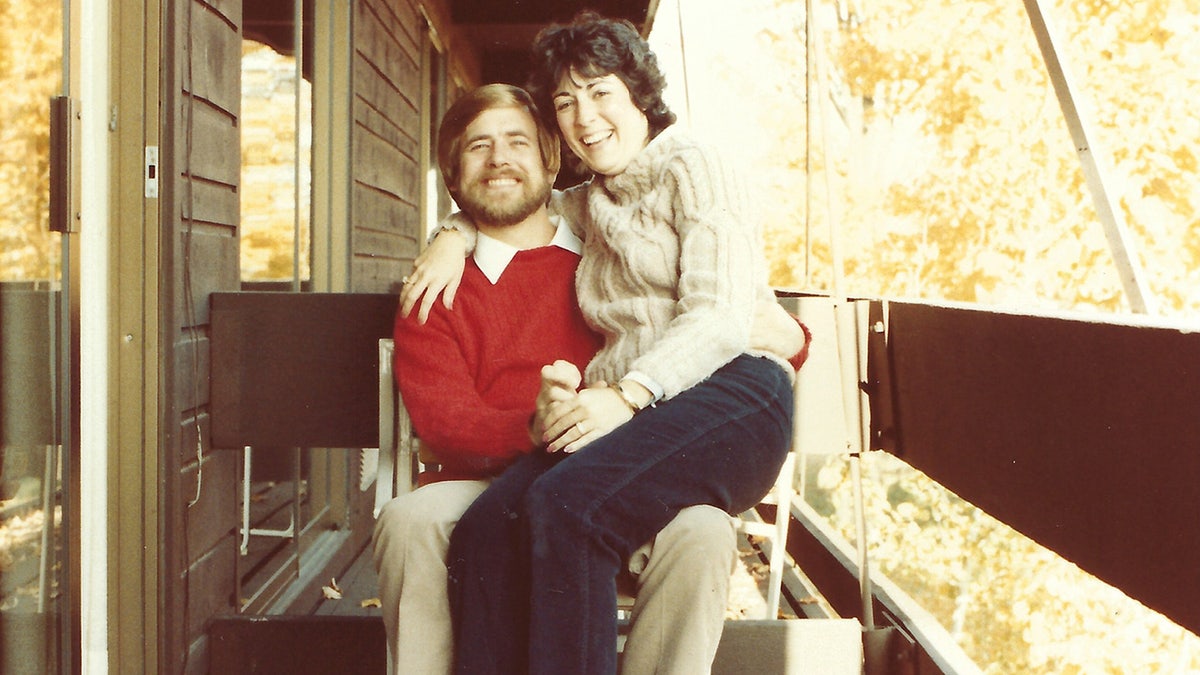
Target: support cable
(1133, 278)
(687, 91)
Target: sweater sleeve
(434, 376)
(457, 222)
(719, 272)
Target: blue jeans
(533, 562)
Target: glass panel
(1012, 605)
(919, 147)
(32, 579)
(270, 130)
(944, 166)
(290, 489)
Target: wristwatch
(629, 400)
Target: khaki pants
(682, 584)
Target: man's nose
(500, 155)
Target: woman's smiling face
(599, 121)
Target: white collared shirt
(493, 256)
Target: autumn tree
(30, 73)
(926, 140)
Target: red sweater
(469, 376)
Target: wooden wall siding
(386, 183)
(213, 161)
(216, 69)
(212, 204)
(207, 87)
(201, 221)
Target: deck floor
(345, 634)
(359, 588)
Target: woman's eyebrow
(588, 83)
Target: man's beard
(485, 210)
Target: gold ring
(404, 280)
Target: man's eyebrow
(511, 133)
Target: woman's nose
(585, 111)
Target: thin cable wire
(298, 51)
(189, 301)
(810, 59)
(189, 309)
(687, 91)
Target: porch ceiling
(502, 31)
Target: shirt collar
(493, 256)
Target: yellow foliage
(30, 73)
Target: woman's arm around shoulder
(438, 270)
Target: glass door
(35, 346)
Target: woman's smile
(599, 121)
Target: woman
(671, 275)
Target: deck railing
(1078, 433)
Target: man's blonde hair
(471, 105)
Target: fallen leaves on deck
(332, 592)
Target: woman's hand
(573, 423)
(776, 331)
(438, 269)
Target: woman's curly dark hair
(595, 46)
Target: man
(469, 378)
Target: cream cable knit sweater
(672, 266)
